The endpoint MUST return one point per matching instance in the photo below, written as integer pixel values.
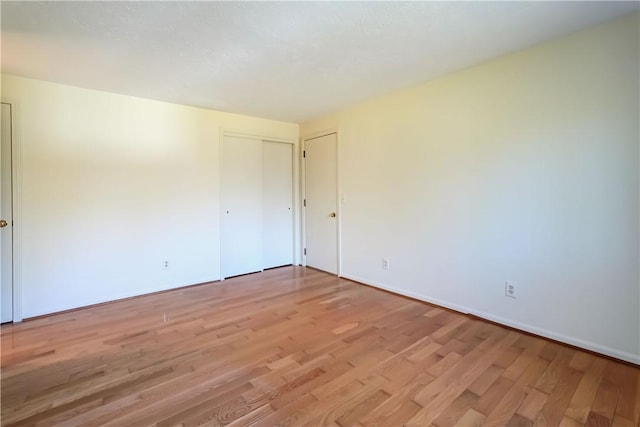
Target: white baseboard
(587, 345)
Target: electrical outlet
(165, 265)
(511, 289)
(385, 263)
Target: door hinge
(304, 203)
(305, 251)
(304, 154)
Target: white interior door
(321, 224)
(241, 191)
(277, 204)
(6, 216)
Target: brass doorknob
(3, 223)
(332, 214)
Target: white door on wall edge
(321, 225)
(6, 218)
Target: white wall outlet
(165, 264)
(511, 289)
(385, 263)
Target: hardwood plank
(399, 416)
(619, 421)
(569, 422)
(518, 420)
(452, 414)
(471, 418)
(506, 407)
(482, 384)
(580, 404)
(596, 420)
(551, 375)
(492, 396)
(350, 417)
(532, 404)
(392, 408)
(629, 402)
(606, 400)
(553, 411)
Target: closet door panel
(277, 204)
(241, 201)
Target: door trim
(16, 196)
(239, 134)
(303, 163)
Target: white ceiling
(283, 60)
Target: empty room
(315, 214)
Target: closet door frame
(296, 214)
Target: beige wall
(110, 187)
(524, 168)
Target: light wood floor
(295, 346)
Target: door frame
(16, 205)
(339, 198)
(295, 197)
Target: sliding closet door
(241, 197)
(277, 204)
